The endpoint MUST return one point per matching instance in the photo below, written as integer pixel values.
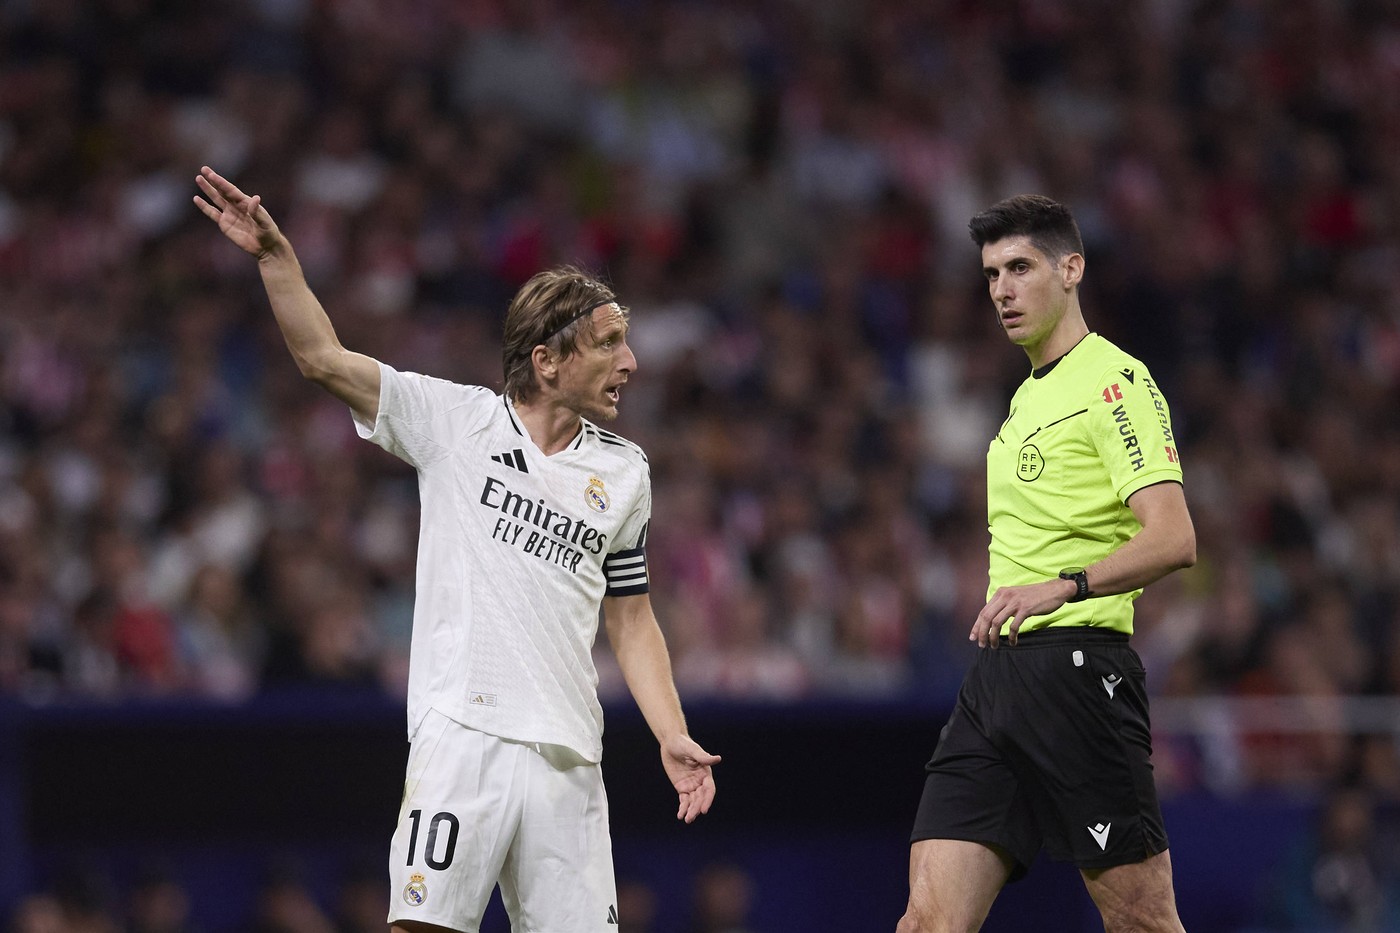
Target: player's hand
(1016, 604)
(241, 218)
(689, 768)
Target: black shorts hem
(1019, 866)
(1098, 863)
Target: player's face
(591, 378)
(1030, 292)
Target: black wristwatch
(1081, 583)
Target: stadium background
(206, 581)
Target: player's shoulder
(437, 385)
(615, 445)
(447, 410)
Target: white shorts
(477, 810)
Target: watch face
(1081, 583)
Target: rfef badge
(1029, 464)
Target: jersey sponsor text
(1130, 440)
(496, 495)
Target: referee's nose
(1001, 289)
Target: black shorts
(1049, 744)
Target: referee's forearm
(1165, 542)
(1142, 560)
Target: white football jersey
(515, 553)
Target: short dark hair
(549, 309)
(1047, 223)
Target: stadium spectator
(1345, 876)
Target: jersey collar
(1044, 371)
(519, 427)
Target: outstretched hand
(689, 768)
(240, 217)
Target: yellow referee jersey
(1079, 440)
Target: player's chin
(604, 411)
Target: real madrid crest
(415, 892)
(596, 496)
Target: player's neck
(552, 427)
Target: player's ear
(1072, 268)
(546, 363)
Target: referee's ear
(1072, 269)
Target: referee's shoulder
(1105, 356)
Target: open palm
(689, 768)
(241, 218)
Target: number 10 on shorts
(430, 849)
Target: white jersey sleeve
(626, 567)
(421, 417)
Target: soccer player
(1049, 742)
(532, 518)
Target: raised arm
(641, 653)
(351, 377)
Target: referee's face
(1030, 292)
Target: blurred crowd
(350, 897)
(89, 899)
(780, 192)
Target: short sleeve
(421, 418)
(1131, 428)
(626, 567)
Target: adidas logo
(1100, 834)
(515, 459)
(1110, 683)
(612, 914)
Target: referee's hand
(1014, 605)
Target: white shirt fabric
(515, 553)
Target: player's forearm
(646, 667)
(351, 377)
(304, 324)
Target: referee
(1049, 743)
